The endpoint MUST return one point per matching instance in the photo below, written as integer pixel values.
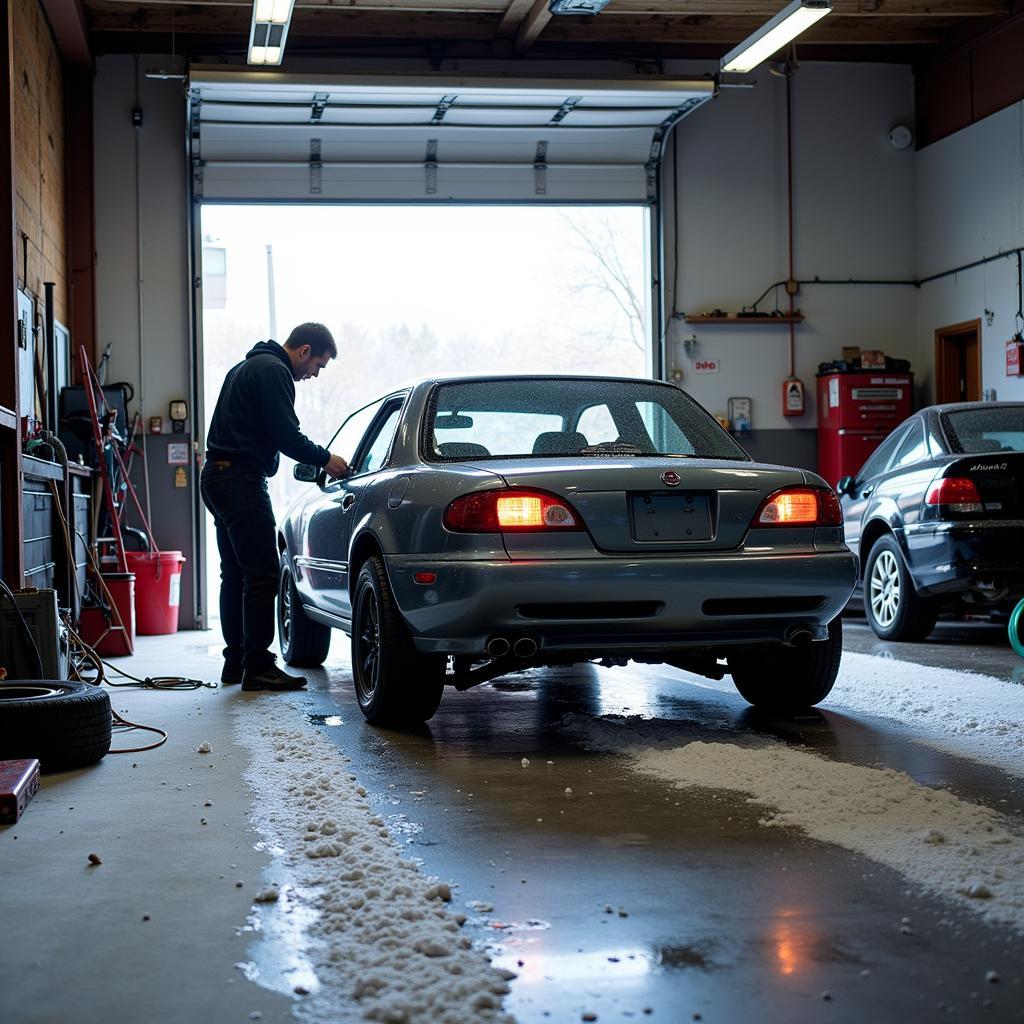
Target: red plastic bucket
(100, 628)
(157, 590)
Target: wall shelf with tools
(732, 318)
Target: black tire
(781, 678)
(64, 724)
(894, 609)
(395, 684)
(304, 643)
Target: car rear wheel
(789, 678)
(893, 608)
(395, 684)
(304, 643)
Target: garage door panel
(273, 137)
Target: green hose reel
(1014, 628)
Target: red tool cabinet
(856, 412)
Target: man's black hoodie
(255, 415)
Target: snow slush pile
(956, 849)
(384, 945)
(961, 713)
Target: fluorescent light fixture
(577, 6)
(270, 22)
(773, 35)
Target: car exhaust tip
(799, 636)
(498, 647)
(525, 647)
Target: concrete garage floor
(711, 913)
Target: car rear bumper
(610, 604)
(949, 558)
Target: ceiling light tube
(270, 22)
(773, 35)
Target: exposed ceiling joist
(857, 29)
(532, 25)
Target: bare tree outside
(609, 270)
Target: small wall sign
(1013, 356)
(705, 365)
(177, 454)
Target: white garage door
(259, 137)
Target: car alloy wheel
(884, 587)
(368, 649)
(284, 614)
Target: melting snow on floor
(966, 852)
(383, 943)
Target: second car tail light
(800, 506)
(955, 494)
(510, 511)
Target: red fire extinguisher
(792, 396)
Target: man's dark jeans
(246, 538)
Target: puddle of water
(329, 720)
(536, 965)
(277, 961)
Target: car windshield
(979, 431)
(551, 417)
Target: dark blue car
(936, 515)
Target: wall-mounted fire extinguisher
(792, 396)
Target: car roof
(966, 406)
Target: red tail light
(800, 506)
(955, 494)
(510, 511)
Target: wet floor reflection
(717, 913)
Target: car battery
(19, 782)
(36, 612)
(856, 412)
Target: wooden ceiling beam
(513, 17)
(342, 24)
(840, 8)
(532, 25)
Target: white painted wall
(854, 217)
(146, 286)
(970, 205)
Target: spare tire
(64, 724)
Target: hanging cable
(790, 283)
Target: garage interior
(579, 843)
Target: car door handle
(348, 501)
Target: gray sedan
(494, 523)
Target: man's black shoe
(231, 674)
(271, 678)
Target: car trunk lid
(999, 479)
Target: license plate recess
(662, 518)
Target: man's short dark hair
(316, 336)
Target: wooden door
(958, 363)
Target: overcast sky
(483, 271)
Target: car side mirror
(845, 486)
(306, 473)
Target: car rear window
(552, 417)
(980, 431)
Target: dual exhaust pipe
(501, 646)
(526, 646)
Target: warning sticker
(174, 598)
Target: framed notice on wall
(177, 453)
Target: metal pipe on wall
(50, 411)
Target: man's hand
(336, 467)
